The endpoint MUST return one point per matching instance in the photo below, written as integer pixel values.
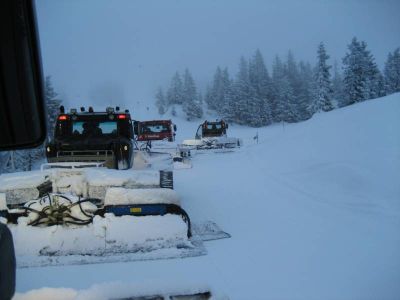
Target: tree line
(24, 160)
(292, 92)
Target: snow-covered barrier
(22, 187)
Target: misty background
(118, 52)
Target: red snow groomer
(156, 130)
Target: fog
(118, 52)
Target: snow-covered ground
(313, 210)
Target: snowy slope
(313, 210)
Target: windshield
(94, 128)
(214, 126)
(154, 129)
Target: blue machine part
(137, 210)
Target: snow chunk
(118, 196)
(22, 180)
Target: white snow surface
(116, 196)
(313, 210)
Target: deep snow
(313, 210)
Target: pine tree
(392, 72)
(354, 80)
(304, 95)
(244, 99)
(284, 108)
(322, 98)
(374, 79)
(161, 102)
(191, 104)
(261, 83)
(175, 91)
(337, 86)
(362, 79)
(173, 111)
(215, 94)
(53, 106)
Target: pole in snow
(256, 137)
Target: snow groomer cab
(155, 130)
(88, 136)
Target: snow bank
(117, 196)
(21, 180)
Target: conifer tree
(337, 86)
(245, 102)
(161, 102)
(284, 100)
(322, 96)
(261, 83)
(215, 94)
(191, 104)
(304, 95)
(175, 91)
(392, 72)
(53, 106)
(362, 79)
(354, 80)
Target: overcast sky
(119, 52)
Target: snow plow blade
(212, 143)
(129, 225)
(132, 224)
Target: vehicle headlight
(48, 149)
(126, 148)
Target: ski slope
(313, 210)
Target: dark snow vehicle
(212, 129)
(156, 130)
(88, 136)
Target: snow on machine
(212, 135)
(88, 136)
(88, 215)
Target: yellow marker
(136, 209)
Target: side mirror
(226, 125)
(22, 111)
(174, 127)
